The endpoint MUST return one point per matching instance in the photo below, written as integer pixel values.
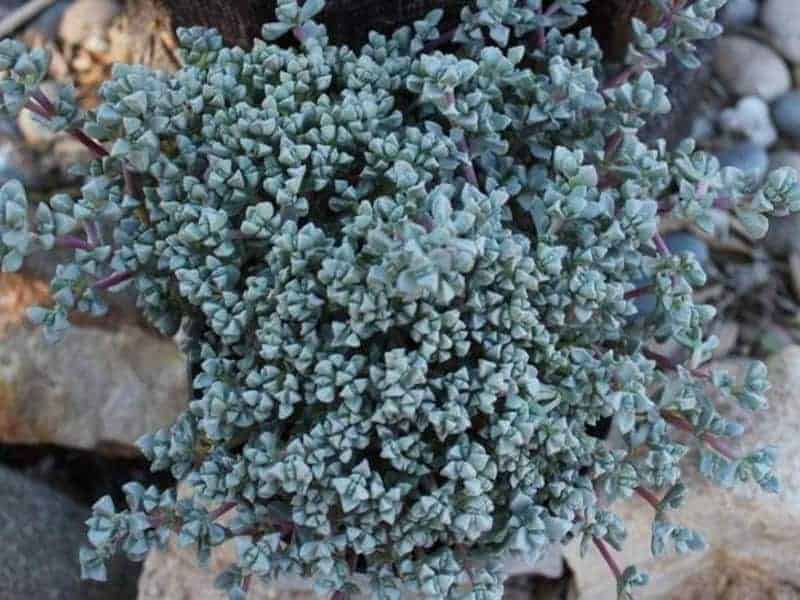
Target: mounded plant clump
(409, 278)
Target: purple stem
(73, 242)
(443, 39)
(661, 245)
(112, 280)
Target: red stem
(606, 554)
(710, 439)
(221, 510)
(649, 496)
(640, 291)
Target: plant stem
(638, 292)
(661, 245)
(221, 510)
(443, 39)
(112, 280)
(73, 242)
(606, 554)
(649, 496)
(710, 439)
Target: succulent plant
(408, 280)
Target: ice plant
(409, 277)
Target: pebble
(751, 117)
(781, 18)
(739, 13)
(749, 68)
(84, 17)
(784, 158)
(683, 241)
(748, 157)
(786, 112)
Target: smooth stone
(683, 241)
(781, 19)
(739, 13)
(42, 531)
(751, 535)
(97, 389)
(85, 17)
(748, 157)
(784, 158)
(749, 68)
(786, 112)
(750, 117)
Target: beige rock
(84, 17)
(781, 18)
(749, 68)
(96, 389)
(752, 536)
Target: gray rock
(781, 18)
(782, 236)
(750, 117)
(786, 112)
(748, 157)
(96, 389)
(49, 21)
(41, 532)
(752, 536)
(683, 241)
(784, 158)
(739, 13)
(749, 68)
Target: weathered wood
(348, 21)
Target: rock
(41, 532)
(683, 241)
(781, 18)
(85, 17)
(750, 117)
(49, 20)
(175, 574)
(784, 158)
(746, 156)
(752, 536)
(96, 389)
(739, 13)
(786, 112)
(782, 237)
(749, 68)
